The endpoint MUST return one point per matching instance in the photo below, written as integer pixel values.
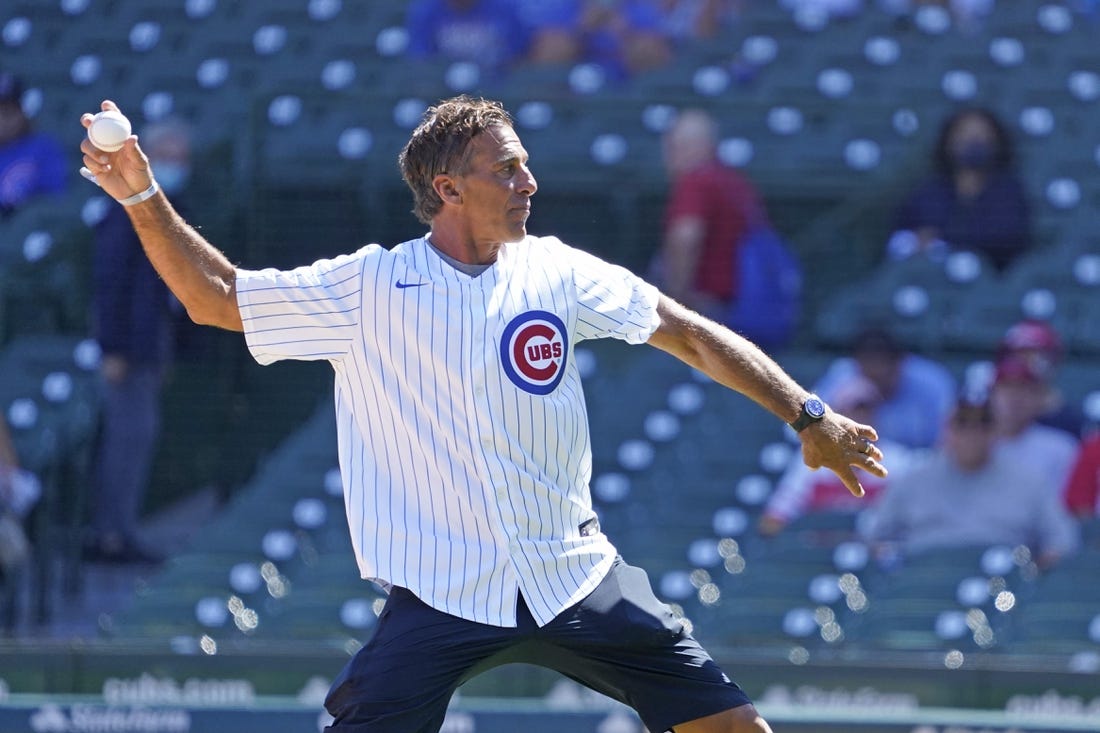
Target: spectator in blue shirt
(31, 163)
(486, 32)
(918, 393)
(555, 30)
(625, 37)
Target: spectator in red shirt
(710, 209)
(1082, 494)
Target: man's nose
(527, 184)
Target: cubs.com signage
(292, 717)
(533, 350)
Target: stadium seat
(979, 321)
(741, 621)
(1055, 618)
(837, 323)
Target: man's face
(1017, 403)
(496, 187)
(968, 439)
(883, 370)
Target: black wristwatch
(813, 409)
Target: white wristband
(145, 195)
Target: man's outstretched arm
(836, 442)
(194, 270)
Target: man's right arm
(194, 270)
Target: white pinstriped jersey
(462, 427)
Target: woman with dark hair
(973, 201)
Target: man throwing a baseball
(463, 434)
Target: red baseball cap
(1014, 368)
(1032, 335)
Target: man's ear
(447, 189)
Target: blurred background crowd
(899, 199)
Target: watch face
(814, 408)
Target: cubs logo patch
(533, 350)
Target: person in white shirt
(462, 430)
(966, 493)
(803, 490)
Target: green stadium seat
(838, 322)
(899, 625)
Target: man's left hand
(838, 443)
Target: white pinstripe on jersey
(463, 481)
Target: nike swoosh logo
(402, 286)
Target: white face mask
(172, 176)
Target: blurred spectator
(1082, 494)
(1019, 396)
(710, 211)
(1037, 343)
(554, 28)
(487, 32)
(1033, 341)
(19, 492)
(973, 201)
(917, 393)
(31, 163)
(966, 494)
(685, 20)
(625, 36)
(803, 490)
(133, 326)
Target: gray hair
(440, 144)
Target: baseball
(109, 130)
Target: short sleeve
(308, 313)
(613, 302)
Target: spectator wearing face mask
(974, 199)
(133, 324)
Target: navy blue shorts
(620, 641)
